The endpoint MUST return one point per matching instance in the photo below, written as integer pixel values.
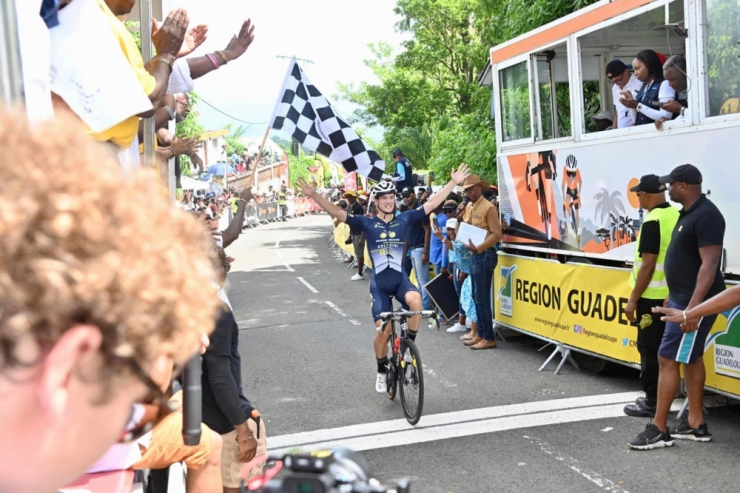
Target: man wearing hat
(649, 287)
(603, 121)
(483, 214)
(403, 177)
(692, 272)
(358, 241)
(622, 80)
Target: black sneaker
(685, 432)
(651, 438)
(640, 409)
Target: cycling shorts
(381, 293)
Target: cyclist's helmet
(570, 162)
(383, 188)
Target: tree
(428, 100)
(608, 205)
(233, 144)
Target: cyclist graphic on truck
(540, 173)
(572, 185)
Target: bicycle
(404, 363)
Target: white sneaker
(357, 277)
(458, 327)
(380, 383)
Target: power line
(201, 100)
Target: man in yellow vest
(649, 287)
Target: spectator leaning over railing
(96, 295)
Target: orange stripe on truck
(566, 28)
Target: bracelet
(222, 56)
(243, 441)
(684, 318)
(213, 60)
(161, 58)
(242, 200)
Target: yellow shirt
(124, 133)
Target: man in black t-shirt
(358, 241)
(692, 270)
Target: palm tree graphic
(607, 205)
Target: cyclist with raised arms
(385, 236)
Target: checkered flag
(308, 117)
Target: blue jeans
(458, 287)
(421, 270)
(481, 271)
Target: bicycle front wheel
(412, 382)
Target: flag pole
(251, 180)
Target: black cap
(649, 184)
(686, 173)
(615, 68)
(408, 190)
(397, 152)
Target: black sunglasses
(155, 396)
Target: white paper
(89, 70)
(469, 232)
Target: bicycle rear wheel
(411, 382)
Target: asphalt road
(491, 421)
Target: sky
(334, 34)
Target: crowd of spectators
(103, 303)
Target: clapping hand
(239, 44)
(168, 37)
(459, 175)
(193, 39)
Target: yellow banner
(576, 304)
(582, 306)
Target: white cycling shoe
(380, 383)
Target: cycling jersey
(385, 243)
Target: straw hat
(474, 180)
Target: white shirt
(665, 94)
(626, 117)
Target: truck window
(515, 102)
(553, 93)
(654, 29)
(722, 50)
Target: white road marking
(277, 248)
(339, 311)
(470, 422)
(435, 375)
(305, 283)
(572, 464)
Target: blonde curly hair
(83, 243)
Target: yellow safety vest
(667, 218)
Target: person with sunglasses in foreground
(98, 299)
(385, 236)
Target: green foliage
(428, 100)
(134, 28)
(233, 144)
(298, 168)
(190, 127)
(469, 139)
(723, 52)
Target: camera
(323, 471)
